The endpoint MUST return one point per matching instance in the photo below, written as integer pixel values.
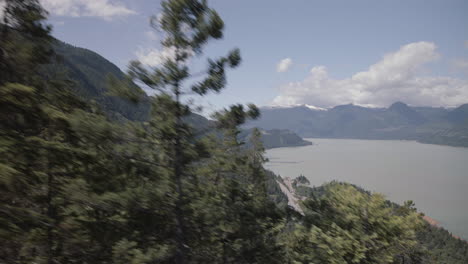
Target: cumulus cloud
(284, 65)
(106, 9)
(156, 57)
(396, 77)
(2, 8)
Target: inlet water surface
(434, 177)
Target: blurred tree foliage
(78, 187)
(349, 226)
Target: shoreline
(437, 224)
(293, 201)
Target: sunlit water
(434, 177)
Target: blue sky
(334, 52)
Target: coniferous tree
(22, 118)
(246, 221)
(41, 155)
(187, 26)
(24, 41)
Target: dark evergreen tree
(24, 41)
(187, 26)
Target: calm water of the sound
(434, 177)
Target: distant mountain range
(399, 121)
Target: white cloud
(284, 65)
(151, 35)
(106, 9)
(461, 65)
(394, 78)
(155, 57)
(2, 8)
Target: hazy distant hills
(399, 121)
(277, 138)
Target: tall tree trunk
(51, 218)
(181, 253)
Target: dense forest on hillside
(89, 72)
(84, 180)
(436, 244)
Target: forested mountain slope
(276, 138)
(90, 72)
